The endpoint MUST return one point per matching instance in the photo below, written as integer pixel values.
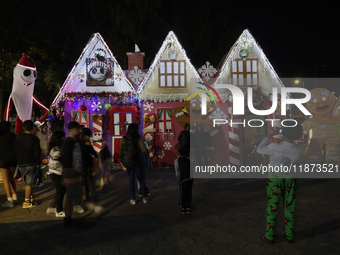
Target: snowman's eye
(94, 70)
(35, 74)
(27, 72)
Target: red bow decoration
(327, 115)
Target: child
(105, 162)
(182, 169)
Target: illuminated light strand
(170, 37)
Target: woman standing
(8, 163)
(55, 166)
(130, 148)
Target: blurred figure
(55, 166)
(130, 148)
(88, 154)
(43, 147)
(72, 169)
(201, 144)
(8, 163)
(105, 163)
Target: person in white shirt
(281, 184)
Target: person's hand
(273, 133)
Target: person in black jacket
(28, 154)
(184, 138)
(182, 170)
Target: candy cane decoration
(97, 127)
(234, 138)
(255, 148)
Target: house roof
(246, 40)
(171, 39)
(95, 41)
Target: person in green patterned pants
(281, 184)
(277, 188)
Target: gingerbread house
(98, 94)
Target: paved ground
(228, 217)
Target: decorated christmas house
(164, 98)
(246, 66)
(167, 85)
(98, 94)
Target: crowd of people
(71, 161)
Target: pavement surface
(228, 217)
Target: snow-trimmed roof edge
(93, 37)
(171, 36)
(247, 38)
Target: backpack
(130, 152)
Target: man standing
(28, 152)
(72, 169)
(184, 138)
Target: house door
(120, 119)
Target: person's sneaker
(29, 204)
(145, 200)
(51, 210)
(182, 211)
(140, 193)
(188, 211)
(78, 209)
(98, 209)
(8, 204)
(60, 214)
(39, 185)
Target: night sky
(299, 39)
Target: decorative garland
(73, 96)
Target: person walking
(55, 166)
(72, 169)
(8, 163)
(130, 148)
(105, 163)
(182, 171)
(28, 154)
(281, 184)
(88, 154)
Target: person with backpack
(131, 149)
